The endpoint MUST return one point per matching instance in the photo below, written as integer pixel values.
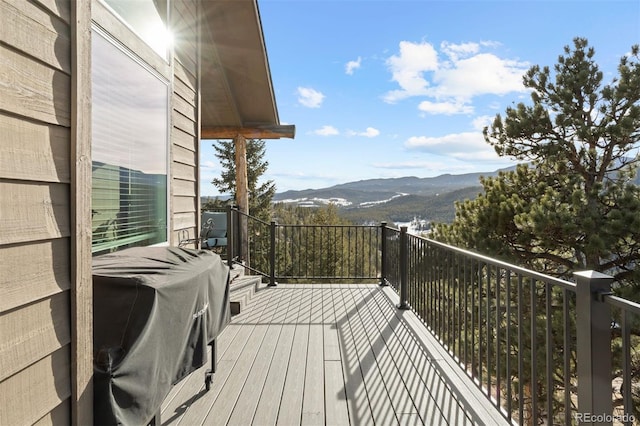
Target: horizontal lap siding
(39, 326)
(33, 392)
(182, 155)
(185, 36)
(35, 175)
(35, 271)
(184, 188)
(184, 171)
(185, 124)
(185, 91)
(184, 204)
(34, 151)
(185, 75)
(60, 415)
(35, 211)
(34, 90)
(36, 32)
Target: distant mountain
(419, 186)
(337, 194)
(394, 199)
(432, 208)
(378, 190)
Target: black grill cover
(155, 309)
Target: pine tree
(260, 193)
(576, 204)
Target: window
(130, 122)
(147, 18)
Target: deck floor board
(247, 401)
(292, 394)
(313, 409)
(335, 395)
(325, 354)
(271, 396)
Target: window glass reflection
(148, 18)
(129, 150)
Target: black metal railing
(509, 328)
(625, 355)
(307, 253)
(542, 350)
(335, 253)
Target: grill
(155, 311)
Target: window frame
(111, 27)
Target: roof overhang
(237, 92)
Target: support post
(404, 270)
(593, 352)
(383, 254)
(272, 255)
(242, 195)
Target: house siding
(45, 181)
(185, 116)
(35, 212)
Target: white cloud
(461, 146)
(455, 51)
(353, 65)
(480, 122)
(210, 165)
(451, 81)
(480, 74)
(408, 68)
(370, 132)
(446, 108)
(327, 131)
(310, 97)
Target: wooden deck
(328, 355)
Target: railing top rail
(622, 303)
(255, 219)
(327, 226)
(499, 263)
(517, 269)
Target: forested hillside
(434, 208)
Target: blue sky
(392, 88)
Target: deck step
(241, 291)
(236, 271)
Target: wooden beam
(198, 102)
(242, 194)
(250, 132)
(81, 275)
